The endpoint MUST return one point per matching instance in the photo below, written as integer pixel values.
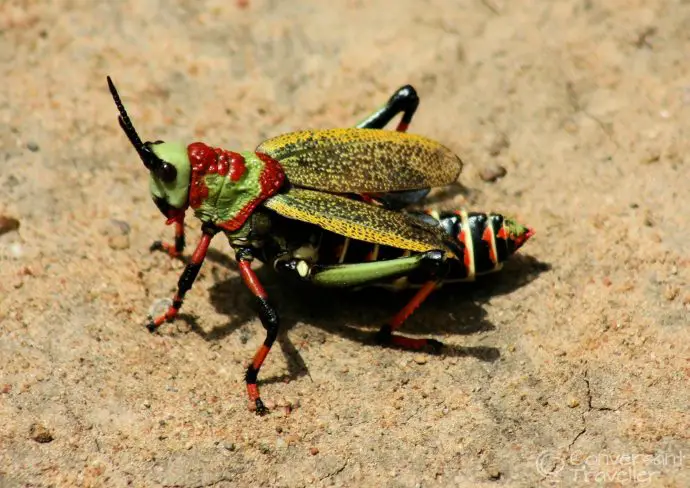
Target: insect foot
(170, 249)
(260, 408)
(385, 337)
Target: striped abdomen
(486, 240)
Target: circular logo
(549, 463)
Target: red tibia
(201, 249)
(170, 314)
(412, 305)
(408, 342)
(250, 279)
(252, 391)
(402, 127)
(260, 356)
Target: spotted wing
(362, 160)
(358, 220)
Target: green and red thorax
(226, 186)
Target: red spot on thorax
(272, 177)
(237, 167)
(211, 160)
(201, 157)
(502, 234)
(207, 160)
(271, 180)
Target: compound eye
(166, 172)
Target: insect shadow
(357, 315)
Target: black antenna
(151, 161)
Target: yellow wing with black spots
(362, 160)
(358, 220)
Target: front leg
(187, 278)
(173, 250)
(269, 320)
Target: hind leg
(404, 100)
(437, 266)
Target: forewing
(362, 160)
(357, 220)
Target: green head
(168, 164)
(516, 234)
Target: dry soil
(569, 367)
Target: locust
(331, 207)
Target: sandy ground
(571, 366)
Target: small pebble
(280, 443)
(573, 402)
(493, 473)
(313, 451)
(117, 232)
(118, 243)
(8, 224)
(147, 404)
(40, 434)
(671, 292)
(32, 146)
(420, 359)
(492, 172)
(230, 446)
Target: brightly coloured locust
(329, 207)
